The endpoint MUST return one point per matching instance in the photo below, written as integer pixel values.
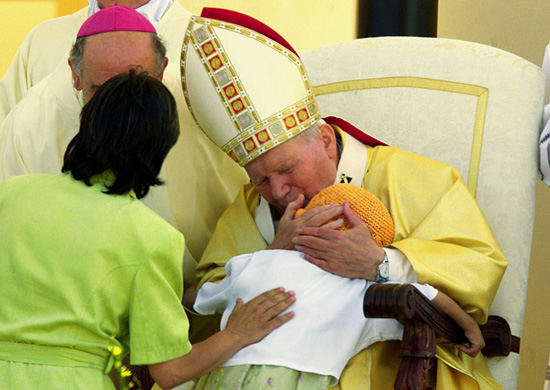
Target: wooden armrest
(405, 303)
(499, 340)
(423, 323)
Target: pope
(262, 112)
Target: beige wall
(519, 26)
(332, 20)
(523, 28)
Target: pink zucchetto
(115, 18)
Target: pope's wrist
(383, 270)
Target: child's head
(368, 207)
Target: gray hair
(312, 133)
(77, 52)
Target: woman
(87, 269)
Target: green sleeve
(158, 324)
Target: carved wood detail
(423, 323)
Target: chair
(475, 107)
(423, 324)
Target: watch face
(384, 270)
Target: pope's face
(298, 166)
(127, 3)
(108, 54)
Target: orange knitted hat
(368, 207)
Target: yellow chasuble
(438, 227)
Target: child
(329, 326)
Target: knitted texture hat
(115, 18)
(368, 207)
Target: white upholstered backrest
(473, 106)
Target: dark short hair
(128, 128)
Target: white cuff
(400, 267)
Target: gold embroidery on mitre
(222, 74)
(263, 136)
(230, 91)
(290, 122)
(273, 131)
(208, 48)
(256, 135)
(303, 115)
(249, 145)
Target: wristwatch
(383, 270)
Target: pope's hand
(351, 253)
(289, 226)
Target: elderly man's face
(295, 167)
(108, 54)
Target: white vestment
(201, 179)
(48, 43)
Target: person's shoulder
(170, 26)
(35, 101)
(26, 182)
(145, 219)
(59, 24)
(176, 10)
(51, 94)
(51, 32)
(41, 90)
(150, 229)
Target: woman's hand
(248, 323)
(254, 320)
